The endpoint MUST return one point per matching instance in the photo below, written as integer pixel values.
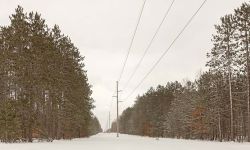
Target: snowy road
(126, 142)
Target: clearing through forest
(105, 141)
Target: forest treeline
(44, 89)
(213, 107)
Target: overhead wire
(132, 40)
(149, 45)
(166, 51)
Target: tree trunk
(219, 124)
(248, 90)
(230, 92)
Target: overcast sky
(102, 30)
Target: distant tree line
(215, 106)
(44, 90)
(95, 127)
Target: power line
(150, 44)
(161, 57)
(132, 40)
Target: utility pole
(117, 109)
(109, 122)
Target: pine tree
(222, 55)
(243, 25)
(43, 73)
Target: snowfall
(105, 141)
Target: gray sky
(102, 30)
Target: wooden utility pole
(117, 109)
(109, 123)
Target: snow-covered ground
(126, 142)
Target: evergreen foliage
(44, 90)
